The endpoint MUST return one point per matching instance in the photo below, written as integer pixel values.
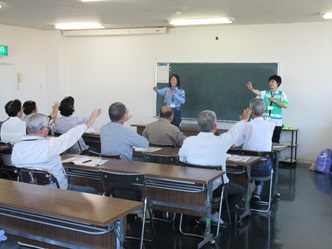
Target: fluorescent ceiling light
(79, 25)
(103, 32)
(202, 21)
(327, 15)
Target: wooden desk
(187, 129)
(250, 161)
(61, 217)
(164, 151)
(93, 138)
(175, 151)
(181, 189)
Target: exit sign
(3, 50)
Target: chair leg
(228, 211)
(141, 239)
(268, 203)
(219, 217)
(151, 221)
(143, 225)
(165, 220)
(188, 234)
(224, 198)
(220, 210)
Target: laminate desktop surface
(60, 205)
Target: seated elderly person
(30, 107)
(210, 150)
(38, 151)
(162, 131)
(13, 128)
(117, 139)
(258, 137)
(68, 121)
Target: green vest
(276, 112)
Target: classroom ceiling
(44, 14)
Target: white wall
(26, 55)
(103, 69)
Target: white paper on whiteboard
(163, 72)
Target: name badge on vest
(270, 108)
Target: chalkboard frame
(220, 87)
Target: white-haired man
(210, 150)
(258, 137)
(36, 150)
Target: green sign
(3, 50)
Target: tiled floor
(302, 218)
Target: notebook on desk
(148, 149)
(85, 160)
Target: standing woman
(275, 100)
(174, 97)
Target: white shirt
(257, 136)
(12, 130)
(210, 150)
(64, 124)
(44, 153)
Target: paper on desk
(235, 158)
(148, 149)
(93, 131)
(77, 160)
(95, 162)
(278, 146)
(85, 160)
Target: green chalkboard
(220, 87)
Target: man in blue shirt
(117, 139)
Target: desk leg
(118, 229)
(275, 178)
(247, 210)
(207, 233)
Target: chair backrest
(8, 172)
(37, 176)
(94, 153)
(163, 159)
(109, 179)
(162, 145)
